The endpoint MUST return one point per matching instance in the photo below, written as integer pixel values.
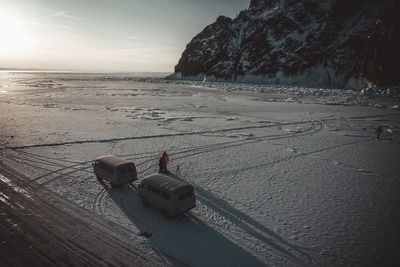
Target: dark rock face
(311, 42)
(381, 53)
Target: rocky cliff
(330, 43)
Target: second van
(171, 196)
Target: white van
(117, 171)
(167, 194)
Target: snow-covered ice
(283, 175)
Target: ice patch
(49, 106)
(231, 119)
(187, 119)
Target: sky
(104, 35)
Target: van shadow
(291, 253)
(186, 239)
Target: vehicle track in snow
(175, 134)
(73, 168)
(40, 228)
(203, 132)
(98, 206)
(67, 167)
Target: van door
(185, 201)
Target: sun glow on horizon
(14, 37)
(116, 35)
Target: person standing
(166, 159)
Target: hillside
(331, 43)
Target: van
(170, 196)
(117, 171)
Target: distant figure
(162, 163)
(178, 172)
(378, 131)
(166, 159)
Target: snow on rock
(312, 43)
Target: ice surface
(284, 175)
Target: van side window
(181, 197)
(165, 195)
(155, 191)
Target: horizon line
(75, 70)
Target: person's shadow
(188, 240)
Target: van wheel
(145, 202)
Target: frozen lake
(282, 175)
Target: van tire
(145, 202)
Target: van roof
(113, 161)
(167, 183)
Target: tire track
(316, 126)
(98, 204)
(157, 136)
(42, 222)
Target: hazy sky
(104, 35)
